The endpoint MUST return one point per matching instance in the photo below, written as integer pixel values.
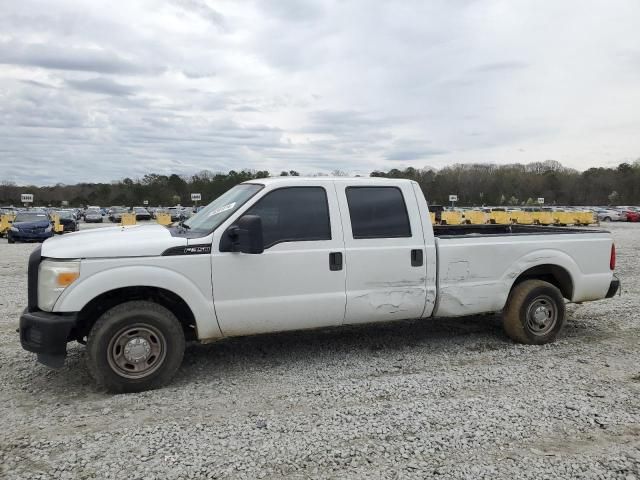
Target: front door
(299, 280)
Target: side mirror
(246, 235)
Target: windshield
(30, 217)
(210, 217)
(65, 214)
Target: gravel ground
(449, 398)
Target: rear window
(377, 212)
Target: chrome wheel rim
(542, 315)
(137, 351)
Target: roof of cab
(350, 180)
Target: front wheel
(534, 313)
(135, 346)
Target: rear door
(299, 280)
(385, 252)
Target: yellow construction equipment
(128, 219)
(165, 218)
(500, 218)
(476, 217)
(563, 218)
(57, 226)
(542, 218)
(5, 223)
(432, 216)
(450, 217)
(521, 218)
(585, 217)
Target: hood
(129, 241)
(38, 224)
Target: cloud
(312, 85)
(200, 8)
(500, 67)
(102, 85)
(58, 57)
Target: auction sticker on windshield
(229, 206)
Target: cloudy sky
(99, 90)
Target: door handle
(417, 257)
(335, 261)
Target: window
(293, 214)
(378, 212)
(212, 216)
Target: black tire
(142, 329)
(606, 219)
(534, 313)
(10, 240)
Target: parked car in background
(609, 215)
(30, 226)
(632, 213)
(93, 215)
(176, 213)
(159, 210)
(7, 211)
(115, 214)
(68, 220)
(141, 213)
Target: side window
(293, 214)
(378, 212)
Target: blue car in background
(30, 227)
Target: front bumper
(29, 237)
(613, 287)
(47, 335)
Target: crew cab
(283, 254)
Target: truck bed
(478, 264)
(453, 231)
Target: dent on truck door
(299, 280)
(385, 254)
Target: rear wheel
(606, 219)
(534, 313)
(135, 346)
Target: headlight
(53, 277)
(14, 229)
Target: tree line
(474, 184)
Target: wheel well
(553, 274)
(105, 301)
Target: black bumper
(613, 287)
(47, 335)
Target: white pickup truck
(292, 253)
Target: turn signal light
(67, 278)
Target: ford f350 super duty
(282, 254)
